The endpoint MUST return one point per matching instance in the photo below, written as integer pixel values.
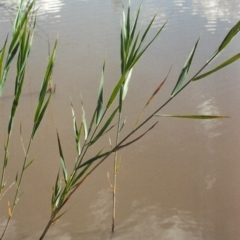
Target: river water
(181, 181)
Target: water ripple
(45, 8)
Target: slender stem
(4, 165)
(18, 187)
(85, 147)
(47, 227)
(115, 175)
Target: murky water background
(181, 181)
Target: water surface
(182, 180)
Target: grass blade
(126, 84)
(28, 164)
(2, 57)
(229, 61)
(75, 181)
(100, 97)
(116, 91)
(202, 117)
(184, 71)
(105, 126)
(231, 34)
(91, 160)
(40, 117)
(62, 159)
(84, 121)
(45, 83)
(134, 140)
(150, 99)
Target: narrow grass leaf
(184, 71)
(137, 55)
(55, 193)
(201, 117)
(92, 121)
(134, 140)
(148, 28)
(151, 98)
(231, 34)
(84, 121)
(45, 83)
(135, 22)
(126, 84)
(229, 61)
(15, 101)
(105, 126)
(62, 159)
(100, 97)
(28, 164)
(91, 160)
(57, 218)
(77, 132)
(122, 126)
(116, 90)
(75, 181)
(2, 54)
(75, 128)
(40, 117)
(158, 88)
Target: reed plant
(87, 134)
(107, 116)
(20, 46)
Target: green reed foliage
(20, 46)
(21, 42)
(87, 134)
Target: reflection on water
(210, 181)
(155, 222)
(44, 8)
(101, 210)
(214, 10)
(211, 127)
(11, 233)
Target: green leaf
(135, 22)
(126, 84)
(116, 90)
(229, 61)
(100, 97)
(28, 164)
(84, 121)
(58, 217)
(91, 160)
(77, 132)
(202, 117)
(64, 169)
(45, 83)
(92, 121)
(184, 71)
(231, 34)
(75, 181)
(40, 117)
(137, 55)
(101, 132)
(2, 58)
(134, 140)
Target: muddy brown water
(181, 181)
